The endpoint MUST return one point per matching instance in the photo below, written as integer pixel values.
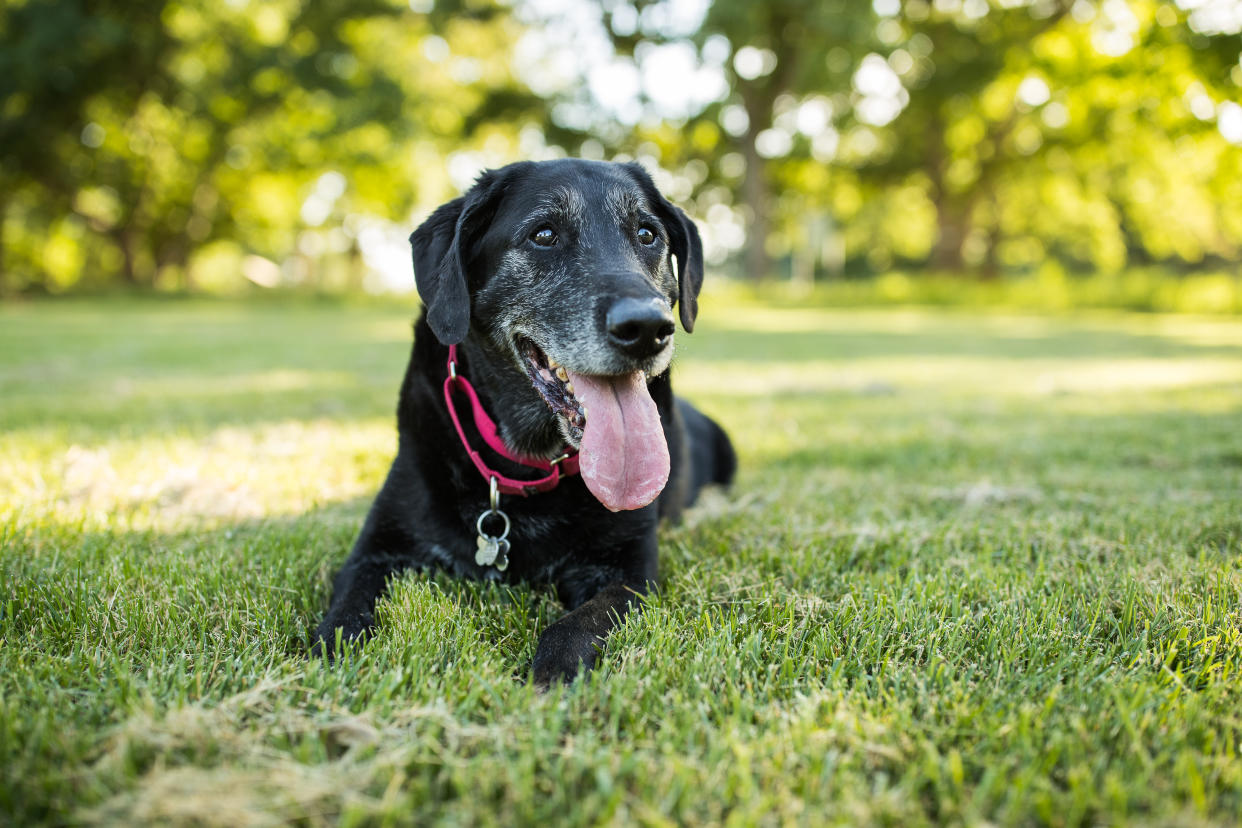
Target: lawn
(975, 568)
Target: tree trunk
(946, 253)
(355, 269)
(7, 284)
(951, 233)
(755, 190)
(174, 252)
(991, 261)
(129, 266)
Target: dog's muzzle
(639, 328)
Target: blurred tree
(947, 132)
(779, 52)
(161, 129)
(781, 48)
(1008, 101)
(137, 143)
(1142, 93)
(966, 135)
(55, 57)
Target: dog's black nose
(640, 328)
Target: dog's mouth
(612, 421)
(552, 382)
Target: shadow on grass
(196, 370)
(1119, 444)
(196, 366)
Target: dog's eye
(544, 237)
(646, 236)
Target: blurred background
(1044, 152)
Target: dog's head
(572, 270)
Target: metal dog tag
(492, 550)
(488, 548)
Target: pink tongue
(623, 458)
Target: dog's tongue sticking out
(623, 458)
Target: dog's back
(712, 458)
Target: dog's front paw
(333, 635)
(565, 649)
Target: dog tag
(492, 552)
(502, 555)
(489, 548)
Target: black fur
(485, 284)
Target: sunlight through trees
(191, 146)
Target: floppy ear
(438, 273)
(684, 244)
(440, 263)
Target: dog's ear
(684, 244)
(439, 275)
(439, 246)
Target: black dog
(554, 282)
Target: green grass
(1050, 289)
(975, 569)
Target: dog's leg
(361, 581)
(571, 645)
(354, 594)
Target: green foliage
(976, 569)
(184, 145)
(977, 137)
(132, 138)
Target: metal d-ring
(479, 525)
(494, 503)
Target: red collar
(566, 464)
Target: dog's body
(544, 276)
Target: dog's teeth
(561, 374)
(552, 363)
(569, 388)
